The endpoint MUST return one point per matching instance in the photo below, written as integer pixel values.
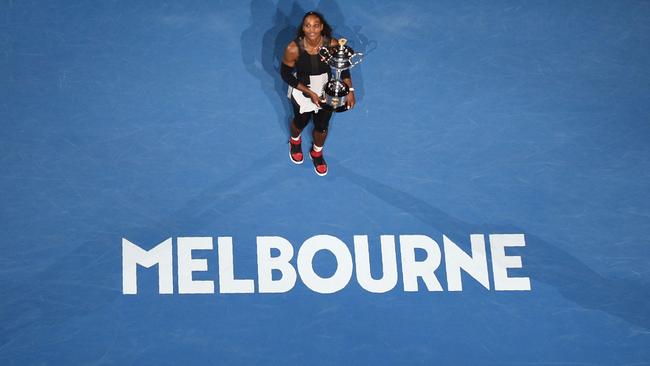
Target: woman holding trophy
(309, 58)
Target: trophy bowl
(335, 96)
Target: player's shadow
(543, 261)
(272, 27)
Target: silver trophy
(339, 58)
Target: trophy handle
(324, 53)
(360, 57)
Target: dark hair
(327, 30)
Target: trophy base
(338, 109)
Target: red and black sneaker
(295, 153)
(320, 166)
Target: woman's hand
(315, 98)
(350, 100)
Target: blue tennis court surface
(515, 132)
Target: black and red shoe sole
(319, 161)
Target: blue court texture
(150, 120)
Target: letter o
(341, 276)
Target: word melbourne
(420, 257)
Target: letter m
(132, 255)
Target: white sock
(295, 138)
(317, 148)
